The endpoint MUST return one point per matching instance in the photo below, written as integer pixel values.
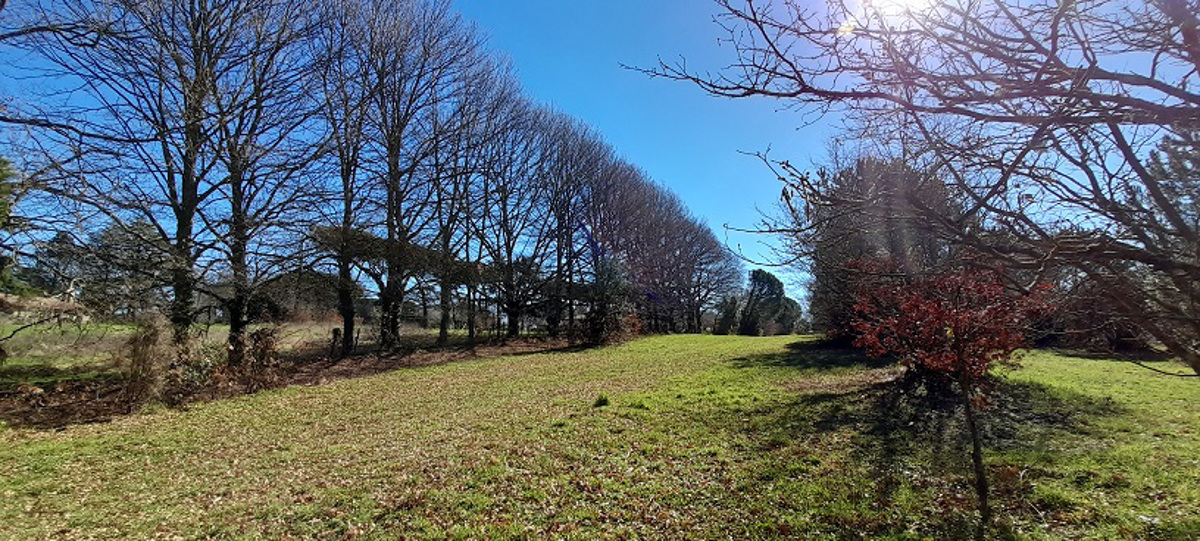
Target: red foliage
(958, 323)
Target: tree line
(207, 150)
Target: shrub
(953, 326)
(261, 370)
(611, 318)
(144, 357)
(191, 370)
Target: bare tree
(1042, 116)
(230, 137)
(27, 21)
(149, 80)
(514, 230)
(418, 51)
(341, 53)
(710, 273)
(261, 105)
(464, 133)
(577, 157)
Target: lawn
(44, 354)
(701, 436)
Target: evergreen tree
(727, 315)
(876, 217)
(763, 300)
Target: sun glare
(890, 11)
(896, 8)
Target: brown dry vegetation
(70, 374)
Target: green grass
(45, 354)
(1129, 470)
(63, 345)
(700, 437)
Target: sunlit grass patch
(702, 436)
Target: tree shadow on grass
(1145, 356)
(15, 374)
(1156, 361)
(906, 441)
(901, 431)
(38, 396)
(567, 348)
(814, 355)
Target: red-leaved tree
(951, 327)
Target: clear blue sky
(568, 54)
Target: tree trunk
(471, 316)
(239, 317)
(981, 481)
(390, 297)
(391, 303)
(183, 282)
(346, 285)
(554, 314)
(387, 319)
(424, 308)
(513, 313)
(237, 329)
(346, 305)
(554, 317)
(444, 302)
(239, 239)
(183, 295)
(571, 330)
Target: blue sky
(568, 54)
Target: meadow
(49, 353)
(663, 437)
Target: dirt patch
(100, 399)
(326, 370)
(64, 403)
(843, 382)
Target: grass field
(44, 354)
(667, 437)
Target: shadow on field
(905, 440)
(814, 355)
(1143, 356)
(571, 348)
(10, 375)
(1156, 361)
(59, 397)
(45, 397)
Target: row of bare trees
(378, 141)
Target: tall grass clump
(144, 362)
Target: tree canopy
(1042, 118)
